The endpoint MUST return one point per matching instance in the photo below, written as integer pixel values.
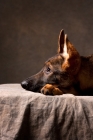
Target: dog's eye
(48, 69)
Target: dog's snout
(24, 84)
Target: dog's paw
(47, 89)
(51, 90)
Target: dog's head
(59, 70)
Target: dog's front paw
(47, 89)
(51, 90)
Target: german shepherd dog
(66, 72)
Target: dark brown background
(29, 33)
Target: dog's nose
(24, 84)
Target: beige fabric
(25, 115)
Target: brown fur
(66, 72)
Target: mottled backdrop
(29, 33)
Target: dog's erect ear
(61, 41)
(62, 44)
(69, 53)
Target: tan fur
(51, 89)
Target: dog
(66, 72)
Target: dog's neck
(85, 75)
